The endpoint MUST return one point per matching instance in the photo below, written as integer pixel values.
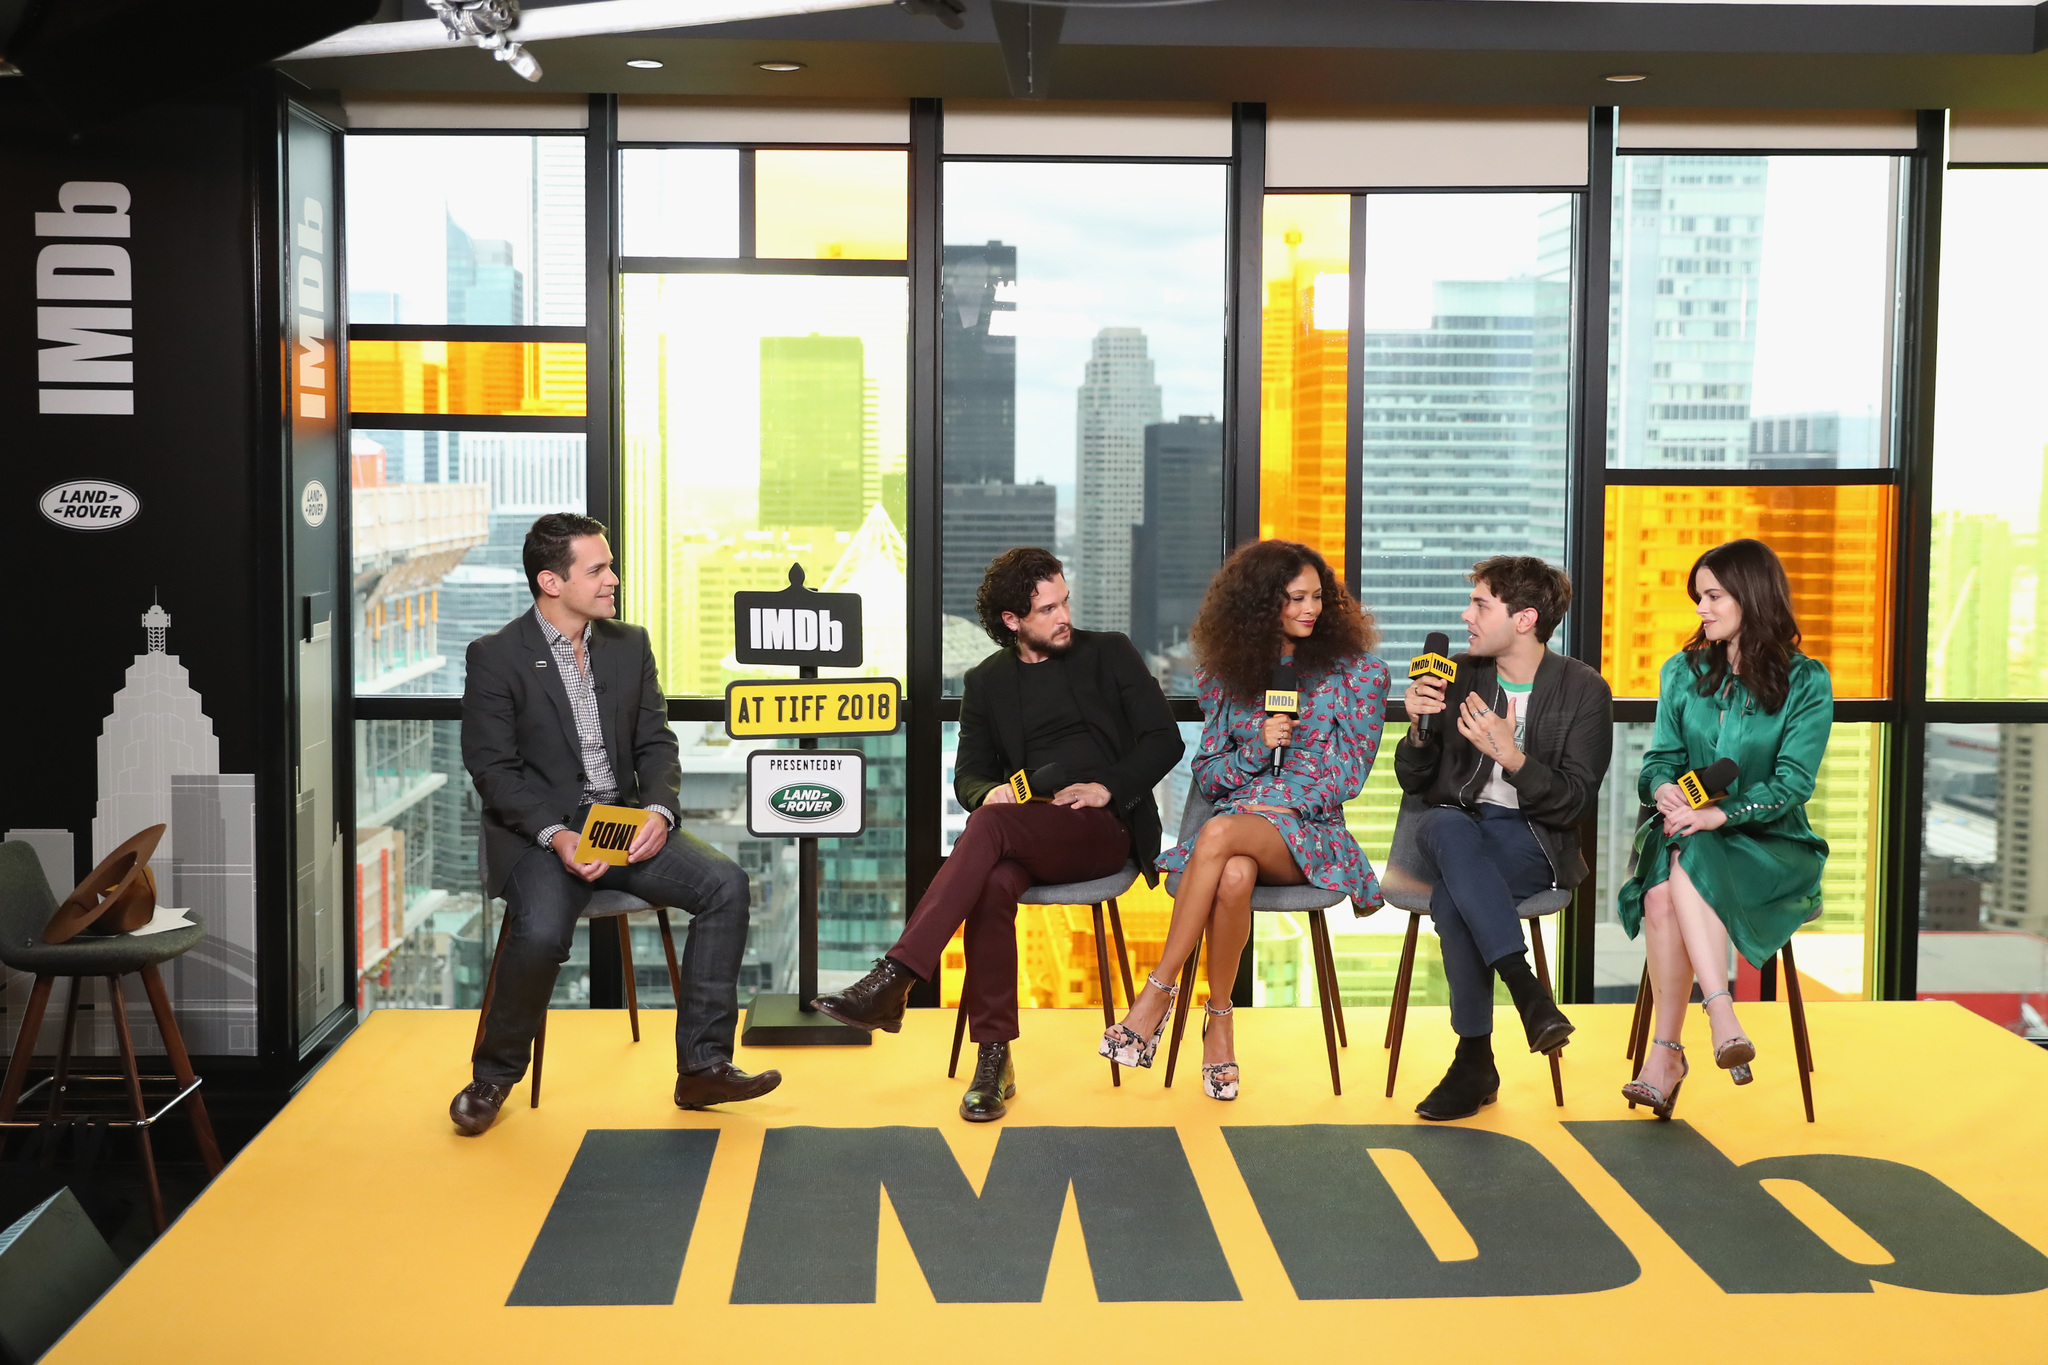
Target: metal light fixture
(644, 64)
(780, 66)
(1626, 77)
(485, 23)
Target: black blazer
(519, 737)
(1121, 703)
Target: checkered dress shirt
(600, 783)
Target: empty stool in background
(26, 909)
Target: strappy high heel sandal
(1734, 1055)
(1649, 1096)
(1125, 1046)
(1214, 1084)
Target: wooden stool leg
(1123, 954)
(24, 1050)
(959, 1032)
(1326, 987)
(668, 950)
(626, 968)
(540, 1052)
(134, 1077)
(1802, 1045)
(1646, 1019)
(181, 1066)
(1107, 982)
(1635, 1021)
(1180, 1008)
(71, 1003)
(1397, 1008)
(1543, 978)
(1330, 968)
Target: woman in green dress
(1745, 868)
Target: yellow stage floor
(1290, 1225)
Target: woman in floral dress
(1272, 602)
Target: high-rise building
(978, 363)
(981, 521)
(560, 264)
(484, 288)
(814, 432)
(1458, 458)
(2022, 828)
(1688, 246)
(985, 511)
(1303, 404)
(1117, 400)
(1179, 543)
(1982, 567)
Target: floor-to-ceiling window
(466, 269)
(1982, 932)
(763, 353)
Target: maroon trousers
(1005, 850)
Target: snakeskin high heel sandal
(1734, 1055)
(1215, 1083)
(1649, 1096)
(1125, 1046)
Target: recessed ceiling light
(1627, 77)
(644, 64)
(780, 66)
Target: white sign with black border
(806, 793)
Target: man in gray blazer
(562, 710)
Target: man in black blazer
(1077, 711)
(563, 710)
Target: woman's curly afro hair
(1237, 633)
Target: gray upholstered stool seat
(1405, 889)
(1309, 900)
(603, 904)
(1096, 893)
(88, 954)
(26, 908)
(1082, 893)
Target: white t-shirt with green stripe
(1497, 792)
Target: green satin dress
(1761, 870)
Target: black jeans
(543, 901)
(1483, 867)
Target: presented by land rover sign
(810, 793)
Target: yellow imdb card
(609, 832)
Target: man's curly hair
(1012, 577)
(1237, 633)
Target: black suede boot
(1542, 1020)
(1470, 1083)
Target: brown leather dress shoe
(475, 1106)
(994, 1084)
(876, 1001)
(722, 1084)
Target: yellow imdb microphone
(1704, 786)
(1283, 698)
(1433, 662)
(1049, 780)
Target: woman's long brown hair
(1237, 632)
(1752, 574)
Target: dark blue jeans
(1483, 866)
(543, 901)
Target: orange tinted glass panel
(473, 378)
(1302, 399)
(832, 206)
(1836, 542)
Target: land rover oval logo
(91, 505)
(806, 801)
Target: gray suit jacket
(519, 738)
